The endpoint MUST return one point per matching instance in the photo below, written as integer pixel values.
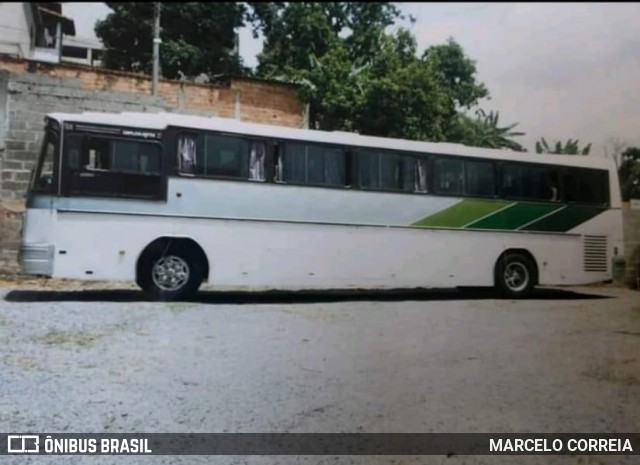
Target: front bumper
(36, 259)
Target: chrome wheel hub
(170, 273)
(516, 276)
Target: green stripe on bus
(516, 216)
(462, 213)
(564, 220)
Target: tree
(335, 88)
(571, 147)
(196, 38)
(294, 30)
(367, 23)
(629, 173)
(356, 76)
(405, 96)
(484, 131)
(458, 73)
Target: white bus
(171, 201)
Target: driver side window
(43, 179)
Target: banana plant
(571, 147)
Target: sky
(560, 70)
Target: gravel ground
(108, 361)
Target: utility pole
(156, 48)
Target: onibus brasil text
(90, 446)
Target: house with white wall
(34, 31)
(40, 32)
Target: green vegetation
(357, 68)
(570, 147)
(629, 173)
(196, 38)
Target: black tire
(515, 276)
(174, 273)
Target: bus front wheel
(174, 274)
(515, 275)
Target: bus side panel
(610, 224)
(98, 246)
(277, 254)
(251, 254)
(37, 250)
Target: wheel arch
(163, 243)
(519, 251)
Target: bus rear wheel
(173, 275)
(515, 275)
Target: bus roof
(162, 120)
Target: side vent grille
(595, 253)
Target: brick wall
(259, 101)
(29, 90)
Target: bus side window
(538, 183)
(552, 186)
(257, 159)
(479, 178)
(449, 176)
(586, 185)
(73, 151)
(226, 156)
(511, 181)
(111, 167)
(187, 154)
(389, 171)
(313, 164)
(99, 152)
(421, 175)
(220, 155)
(277, 163)
(44, 170)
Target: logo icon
(23, 444)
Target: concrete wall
(632, 245)
(29, 90)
